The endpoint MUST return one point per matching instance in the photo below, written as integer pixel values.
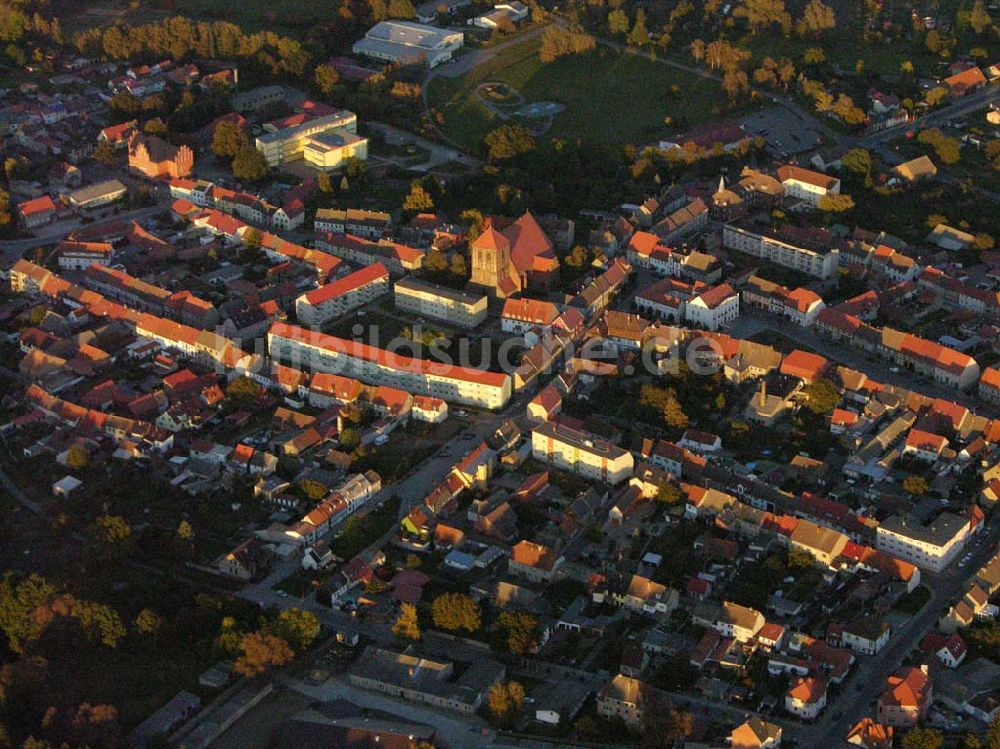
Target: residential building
(622, 697)
(907, 698)
(367, 224)
(729, 619)
(581, 452)
(714, 308)
(865, 635)
(807, 185)
(806, 697)
(821, 262)
(337, 298)
(323, 353)
(36, 212)
(440, 302)
(755, 733)
(931, 547)
(76, 255)
(536, 562)
(524, 314)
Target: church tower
(490, 258)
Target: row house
(800, 305)
(366, 224)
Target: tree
(111, 530)
(560, 42)
(455, 611)
(407, 626)
(508, 141)
(458, 266)
(521, 630)
(618, 22)
(323, 183)
(77, 458)
(297, 627)
(813, 56)
(313, 490)
(761, 14)
(668, 493)
(401, 9)
(979, 18)
(823, 396)
(349, 439)
(836, 203)
(857, 160)
(105, 152)
(817, 17)
(249, 164)
(326, 78)
(474, 220)
(933, 41)
(504, 702)
(418, 199)
(156, 127)
(916, 485)
(185, 532)
(243, 392)
(698, 50)
(640, 35)
(992, 738)
(947, 149)
(923, 738)
(148, 622)
(228, 139)
(800, 559)
(262, 652)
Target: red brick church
(153, 157)
(510, 257)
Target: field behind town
(609, 96)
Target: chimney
(763, 393)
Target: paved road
(438, 154)
(749, 324)
(57, 232)
(868, 682)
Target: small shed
(66, 486)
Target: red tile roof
(388, 359)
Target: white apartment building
(714, 308)
(807, 185)
(319, 306)
(819, 263)
(440, 303)
(930, 547)
(307, 349)
(581, 452)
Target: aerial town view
(529, 374)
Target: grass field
(608, 96)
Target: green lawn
(609, 96)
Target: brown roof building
(153, 157)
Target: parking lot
(785, 134)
